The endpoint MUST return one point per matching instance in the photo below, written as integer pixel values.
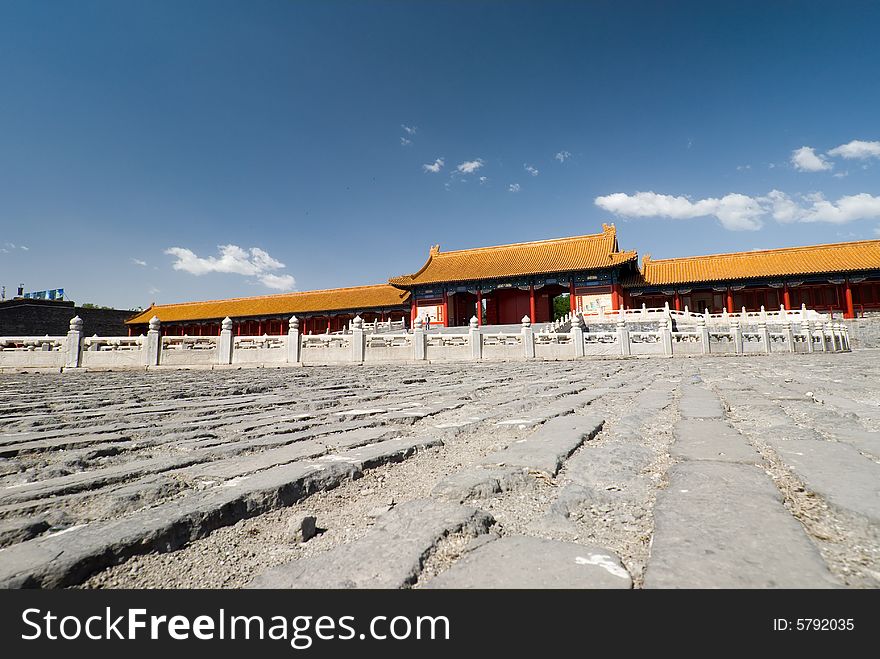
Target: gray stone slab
(391, 555)
(96, 478)
(19, 530)
(72, 440)
(723, 525)
(526, 562)
(836, 471)
(248, 464)
(711, 439)
(699, 403)
(547, 448)
(480, 482)
(71, 556)
(388, 451)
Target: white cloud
(513, 187)
(27, 249)
(742, 168)
(483, 179)
(154, 290)
(278, 282)
(877, 230)
(405, 142)
(806, 159)
(530, 169)
(435, 167)
(233, 259)
(848, 208)
(410, 130)
(562, 156)
(857, 149)
(8, 246)
(840, 174)
(470, 166)
(736, 212)
(139, 262)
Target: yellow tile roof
(788, 261)
(334, 299)
(538, 257)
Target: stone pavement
(748, 472)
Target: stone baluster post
(807, 328)
(294, 341)
(475, 337)
(226, 342)
(528, 337)
(703, 330)
(623, 337)
(789, 335)
(420, 340)
(763, 332)
(153, 343)
(74, 344)
(835, 337)
(823, 340)
(736, 332)
(577, 335)
(358, 340)
(666, 333)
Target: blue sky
(136, 136)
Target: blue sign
(54, 294)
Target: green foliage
(561, 306)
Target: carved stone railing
(359, 346)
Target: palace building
(319, 312)
(843, 278)
(501, 284)
(519, 280)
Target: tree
(561, 306)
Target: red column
(677, 301)
(572, 301)
(786, 297)
(729, 300)
(615, 298)
(479, 307)
(445, 309)
(413, 311)
(850, 310)
(532, 302)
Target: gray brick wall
(41, 317)
(865, 332)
